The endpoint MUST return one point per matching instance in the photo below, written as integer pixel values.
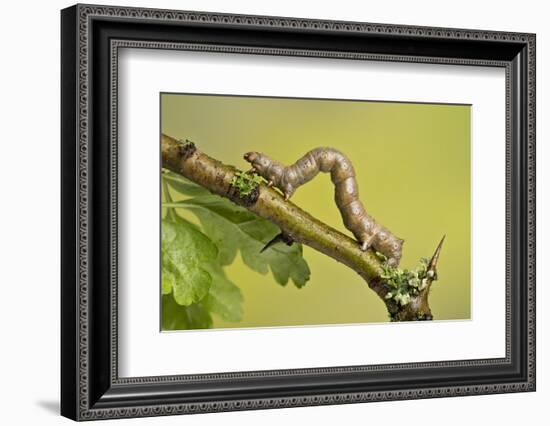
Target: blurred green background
(413, 167)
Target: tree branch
(183, 158)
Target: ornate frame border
(85, 407)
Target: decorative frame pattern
(91, 388)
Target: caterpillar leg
(269, 183)
(288, 192)
(366, 243)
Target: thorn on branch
(432, 265)
(279, 238)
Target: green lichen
(402, 284)
(245, 183)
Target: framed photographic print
(264, 212)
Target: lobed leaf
(177, 317)
(224, 298)
(194, 284)
(233, 228)
(185, 250)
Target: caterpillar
(366, 230)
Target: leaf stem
(170, 211)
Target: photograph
(280, 211)
(267, 210)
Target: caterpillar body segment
(366, 230)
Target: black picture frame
(90, 386)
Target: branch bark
(186, 160)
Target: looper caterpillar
(366, 230)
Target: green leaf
(233, 228)
(224, 298)
(185, 251)
(177, 317)
(194, 284)
(182, 185)
(168, 281)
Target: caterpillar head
(390, 245)
(260, 163)
(396, 250)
